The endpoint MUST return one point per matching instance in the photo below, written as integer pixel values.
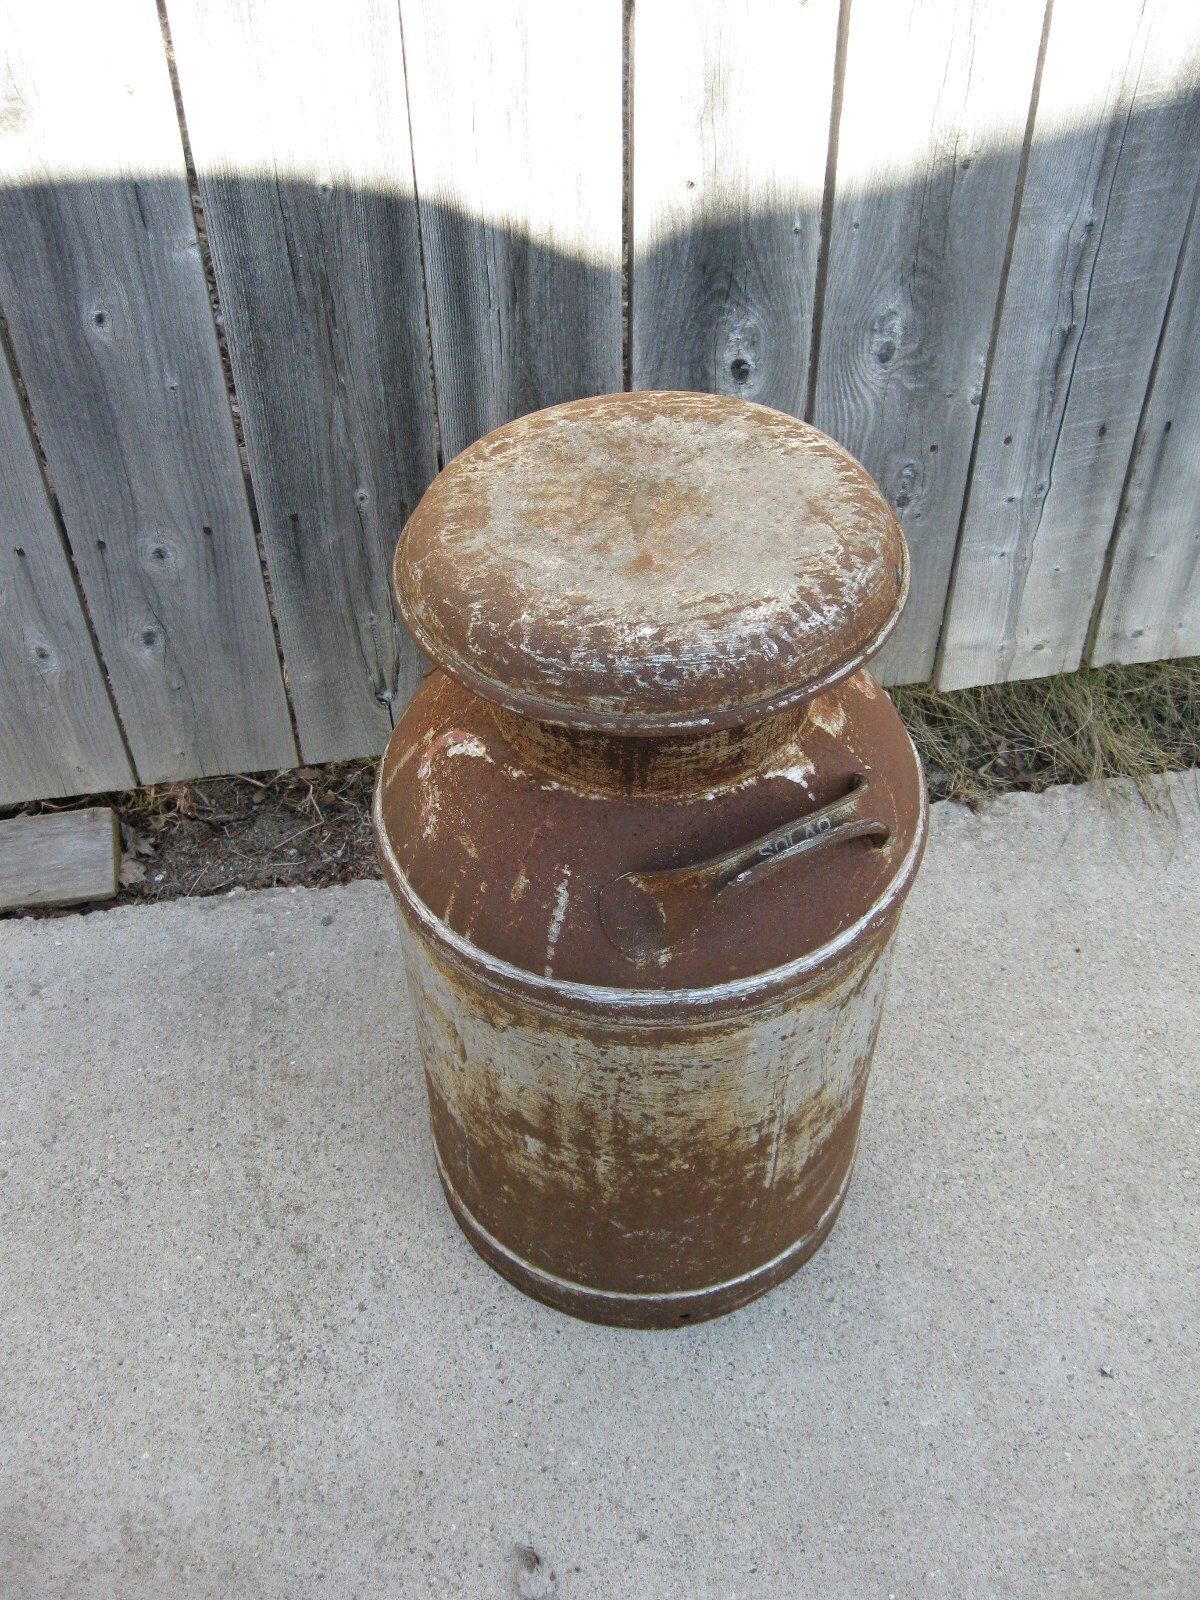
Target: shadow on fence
(204, 483)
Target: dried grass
(1105, 722)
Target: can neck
(674, 764)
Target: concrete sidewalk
(244, 1351)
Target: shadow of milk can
(649, 825)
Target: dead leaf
(131, 871)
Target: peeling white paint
(562, 895)
(829, 715)
(799, 771)
(453, 742)
(431, 800)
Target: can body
(654, 1151)
(646, 1173)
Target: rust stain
(654, 804)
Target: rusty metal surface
(644, 1144)
(646, 913)
(513, 856)
(651, 561)
(647, 1175)
(649, 835)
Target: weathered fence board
(299, 131)
(1113, 163)
(1152, 602)
(946, 229)
(58, 734)
(934, 111)
(731, 112)
(104, 293)
(517, 142)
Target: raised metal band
(633, 1299)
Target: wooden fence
(265, 264)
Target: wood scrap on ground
(59, 858)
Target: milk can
(649, 824)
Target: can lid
(651, 562)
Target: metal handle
(645, 913)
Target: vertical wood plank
(298, 125)
(1116, 149)
(1151, 606)
(730, 135)
(934, 111)
(58, 734)
(104, 292)
(517, 141)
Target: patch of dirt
(309, 827)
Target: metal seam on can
(496, 968)
(634, 1297)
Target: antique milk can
(649, 824)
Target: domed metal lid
(650, 562)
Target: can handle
(645, 913)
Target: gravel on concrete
(244, 1351)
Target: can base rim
(660, 1309)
